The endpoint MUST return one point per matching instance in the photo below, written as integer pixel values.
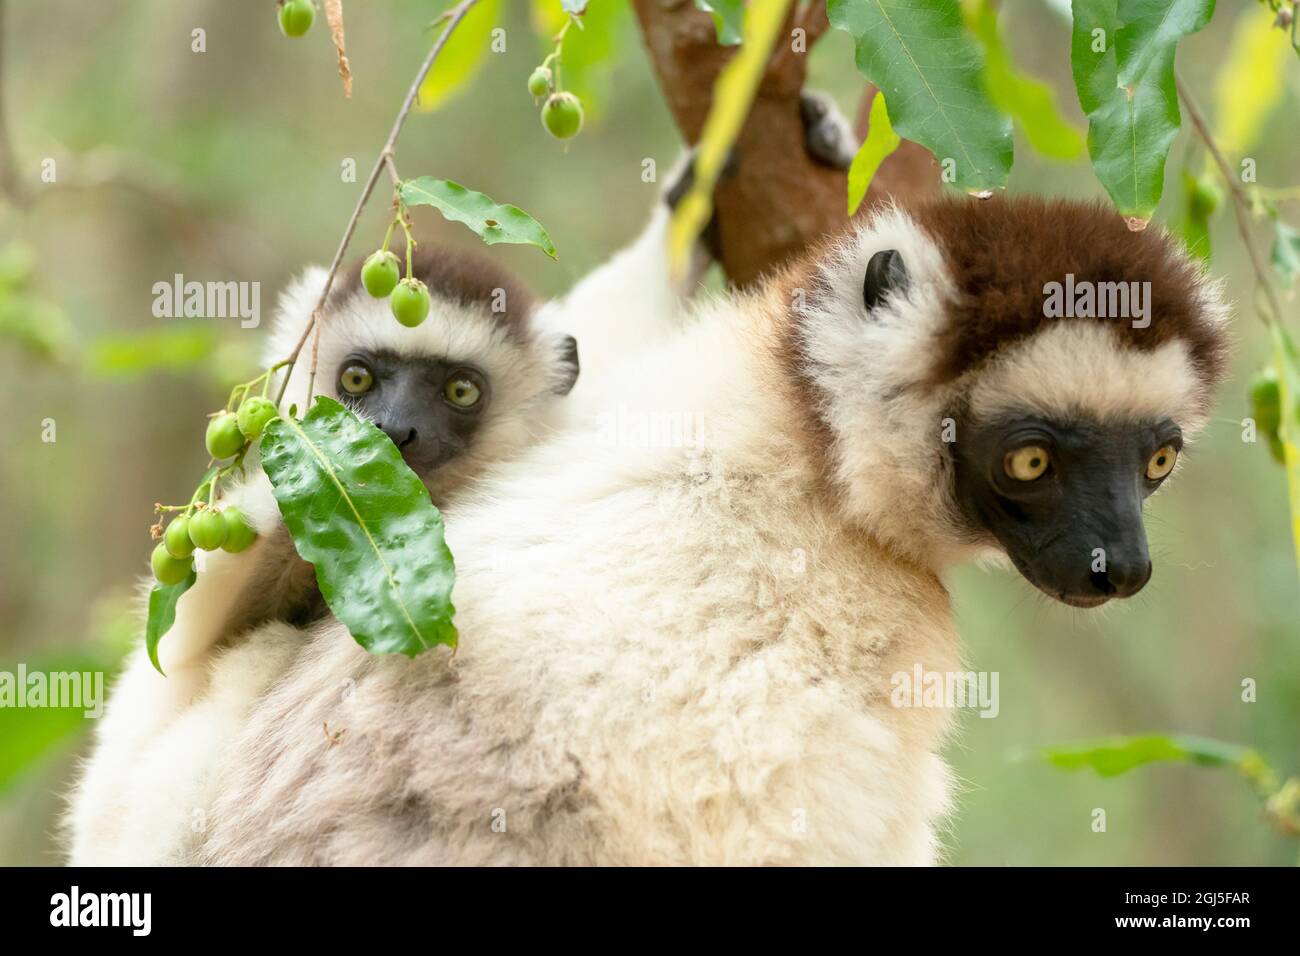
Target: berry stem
(453, 19)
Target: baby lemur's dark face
(430, 407)
(1065, 499)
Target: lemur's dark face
(429, 407)
(1065, 500)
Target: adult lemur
(682, 652)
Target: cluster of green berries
(562, 111)
(1266, 409)
(408, 298)
(296, 17)
(207, 528)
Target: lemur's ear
(567, 349)
(885, 273)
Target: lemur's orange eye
(356, 379)
(1162, 462)
(1026, 464)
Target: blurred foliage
(249, 140)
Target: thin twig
(452, 18)
(1240, 204)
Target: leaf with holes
(920, 55)
(365, 521)
(1122, 56)
(493, 222)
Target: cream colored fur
(670, 654)
(208, 691)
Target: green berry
(296, 17)
(166, 569)
(253, 416)
(177, 538)
(239, 535)
(224, 439)
(1266, 401)
(208, 530)
(410, 302)
(539, 82)
(380, 273)
(562, 115)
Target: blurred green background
(225, 165)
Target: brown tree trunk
(777, 199)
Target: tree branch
(778, 199)
(1240, 203)
(383, 161)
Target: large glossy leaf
(1286, 252)
(880, 142)
(162, 614)
(920, 54)
(1122, 55)
(1031, 103)
(461, 57)
(728, 19)
(1117, 755)
(733, 94)
(365, 521)
(493, 222)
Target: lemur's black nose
(1122, 579)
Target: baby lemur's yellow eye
(1026, 464)
(356, 379)
(1162, 462)
(461, 391)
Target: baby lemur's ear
(565, 369)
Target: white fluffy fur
(208, 691)
(668, 654)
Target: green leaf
(461, 57)
(36, 325)
(881, 141)
(492, 221)
(365, 521)
(1030, 102)
(728, 19)
(177, 348)
(1251, 82)
(162, 614)
(1122, 55)
(1117, 755)
(921, 56)
(733, 94)
(589, 54)
(1286, 252)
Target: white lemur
(683, 652)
